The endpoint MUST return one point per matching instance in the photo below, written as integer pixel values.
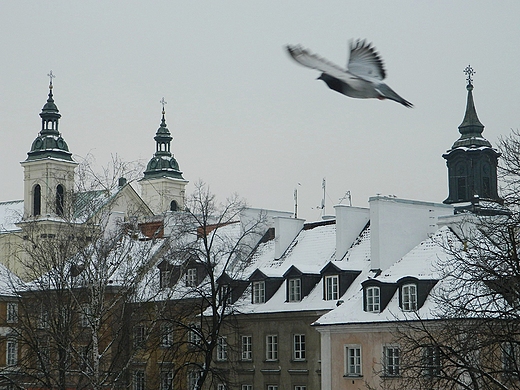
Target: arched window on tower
(37, 200)
(174, 206)
(60, 197)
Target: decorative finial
(51, 76)
(163, 102)
(469, 71)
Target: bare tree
(473, 342)
(207, 269)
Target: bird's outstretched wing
(364, 61)
(310, 60)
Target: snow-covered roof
(10, 213)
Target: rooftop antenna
(346, 196)
(296, 201)
(322, 207)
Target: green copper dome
(163, 164)
(471, 128)
(49, 143)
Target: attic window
(191, 277)
(294, 290)
(409, 297)
(331, 287)
(259, 292)
(373, 299)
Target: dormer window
(191, 277)
(259, 292)
(409, 297)
(295, 290)
(331, 287)
(373, 299)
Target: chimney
(350, 221)
(121, 182)
(285, 231)
(399, 225)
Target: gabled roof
(10, 213)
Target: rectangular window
(510, 358)
(246, 387)
(191, 277)
(432, 361)
(409, 297)
(12, 312)
(85, 316)
(43, 320)
(373, 299)
(221, 386)
(247, 347)
(166, 380)
(300, 387)
(222, 348)
(271, 347)
(194, 335)
(139, 336)
(295, 290)
(259, 292)
(193, 377)
(299, 347)
(272, 387)
(225, 294)
(353, 360)
(165, 278)
(11, 358)
(391, 361)
(331, 288)
(139, 380)
(166, 335)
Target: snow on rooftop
(10, 213)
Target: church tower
(163, 187)
(49, 168)
(472, 164)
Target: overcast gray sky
(244, 117)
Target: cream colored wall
(159, 192)
(372, 339)
(48, 174)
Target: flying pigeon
(363, 77)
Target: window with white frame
(226, 294)
(85, 315)
(295, 290)
(247, 347)
(166, 335)
(331, 288)
(165, 278)
(272, 387)
(409, 297)
(138, 380)
(299, 347)
(222, 348)
(11, 358)
(12, 312)
(139, 336)
(246, 387)
(166, 380)
(194, 335)
(271, 351)
(391, 361)
(43, 320)
(300, 387)
(510, 357)
(191, 277)
(259, 292)
(431, 361)
(193, 377)
(221, 386)
(373, 299)
(353, 360)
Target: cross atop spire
(163, 102)
(51, 76)
(469, 71)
